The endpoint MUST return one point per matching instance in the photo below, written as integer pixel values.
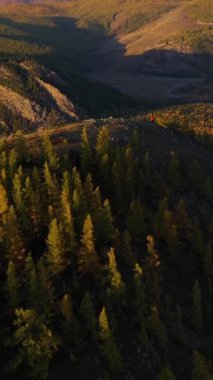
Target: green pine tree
(200, 368)
(49, 153)
(12, 239)
(12, 286)
(88, 260)
(197, 307)
(117, 287)
(88, 317)
(35, 341)
(86, 153)
(55, 256)
(108, 347)
(166, 374)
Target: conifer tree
(117, 287)
(147, 168)
(70, 325)
(95, 207)
(208, 266)
(198, 240)
(12, 239)
(36, 343)
(138, 275)
(153, 254)
(33, 207)
(152, 266)
(166, 374)
(195, 176)
(173, 170)
(102, 143)
(88, 316)
(139, 304)
(158, 327)
(51, 213)
(32, 285)
(88, 260)
(47, 297)
(12, 163)
(118, 199)
(158, 222)
(197, 307)
(108, 232)
(5, 179)
(18, 196)
(12, 286)
(130, 173)
(135, 222)
(39, 194)
(169, 231)
(208, 189)
(3, 159)
(67, 221)
(104, 168)
(89, 188)
(51, 186)
(183, 221)
(179, 325)
(86, 154)
(66, 184)
(21, 149)
(200, 368)
(49, 153)
(78, 199)
(127, 250)
(109, 349)
(3, 200)
(55, 249)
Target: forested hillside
(106, 265)
(106, 190)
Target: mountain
(146, 51)
(32, 96)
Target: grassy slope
(201, 10)
(196, 119)
(43, 29)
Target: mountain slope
(30, 96)
(139, 63)
(146, 49)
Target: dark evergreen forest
(106, 262)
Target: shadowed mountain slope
(148, 50)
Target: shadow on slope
(63, 47)
(158, 75)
